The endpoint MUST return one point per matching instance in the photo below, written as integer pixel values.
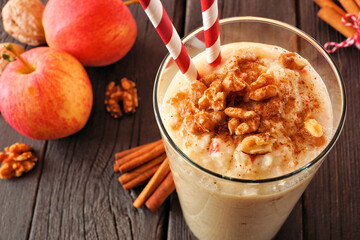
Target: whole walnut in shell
(22, 19)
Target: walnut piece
(258, 144)
(20, 49)
(126, 92)
(231, 83)
(199, 123)
(16, 160)
(187, 107)
(262, 88)
(292, 61)
(242, 121)
(214, 97)
(263, 93)
(313, 127)
(22, 19)
(197, 90)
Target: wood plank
(335, 189)
(18, 195)
(259, 8)
(79, 195)
(268, 9)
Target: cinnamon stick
(331, 4)
(154, 182)
(161, 193)
(145, 157)
(128, 151)
(333, 18)
(122, 154)
(141, 178)
(127, 177)
(127, 155)
(350, 6)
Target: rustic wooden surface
(74, 194)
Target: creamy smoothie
(262, 113)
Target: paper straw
(161, 21)
(210, 15)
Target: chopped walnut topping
(207, 80)
(187, 107)
(16, 160)
(251, 100)
(231, 83)
(217, 117)
(214, 97)
(233, 124)
(292, 61)
(127, 93)
(199, 123)
(313, 127)
(197, 90)
(250, 121)
(262, 88)
(258, 144)
(240, 113)
(263, 93)
(263, 80)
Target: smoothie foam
(201, 124)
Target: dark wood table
(73, 192)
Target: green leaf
(7, 57)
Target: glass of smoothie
(245, 139)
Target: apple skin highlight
(53, 101)
(97, 33)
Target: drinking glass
(220, 207)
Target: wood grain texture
(259, 8)
(78, 195)
(331, 202)
(17, 196)
(72, 193)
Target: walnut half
(16, 160)
(258, 144)
(292, 61)
(242, 121)
(214, 97)
(313, 127)
(262, 88)
(126, 92)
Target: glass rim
(277, 23)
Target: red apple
(51, 100)
(96, 32)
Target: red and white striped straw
(161, 21)
(210, 15)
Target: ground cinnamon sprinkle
(254, 92)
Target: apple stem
(10, 48)
(129, 2)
